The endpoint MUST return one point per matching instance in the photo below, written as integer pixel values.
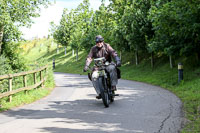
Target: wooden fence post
(34, 78)
(41, 78)
(9, 77)
(10, 89)
(45, 74)
(25, 83)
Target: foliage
(73, 26)
(187, 91)
(161, 27)
(62, 33)
(31, 56)
(134, 23)
(14, 57)
(5, 67)
(176, 25)
(162, 76)
(14, 14)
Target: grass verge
(21, 99)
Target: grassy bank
(21, 98)
(162, 75)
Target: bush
(5, 67)
(14, 60)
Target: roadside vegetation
(14, 15)
(28, 62)
(161, 75)
(151, 37)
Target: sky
(41, 25)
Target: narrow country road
(72, 108)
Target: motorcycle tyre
(104, 94)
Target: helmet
(99, 38)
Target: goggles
(99, 40)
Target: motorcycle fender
(96, 86)
(95, 76)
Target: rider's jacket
(105, 51)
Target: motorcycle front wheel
(104, 92)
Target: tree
(177, 27)
(62, 32)
(133, 26)
(16, 13)
(101, 23)
(81, 25)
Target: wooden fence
(10, 77)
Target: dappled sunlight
(138, 109)
(127, 91)
(96, 111)
(76, 116)
(80, 127)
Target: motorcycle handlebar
(91, 68)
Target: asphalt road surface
(72, 108)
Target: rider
(102, 49)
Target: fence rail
(36, 84)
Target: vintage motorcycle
(101, 81)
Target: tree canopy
(14, 14)
(166, 27)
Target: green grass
(162, 75)
(21, 98)
(32, 53)
(188, 90)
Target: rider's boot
(113, 88)
(98, 97)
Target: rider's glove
(118, 61)
(85, 68)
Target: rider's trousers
(113, 74)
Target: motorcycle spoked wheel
(111, 92)
(104, 92)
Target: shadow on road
(86, 115)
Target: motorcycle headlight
(107, 63)
(95, 74)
